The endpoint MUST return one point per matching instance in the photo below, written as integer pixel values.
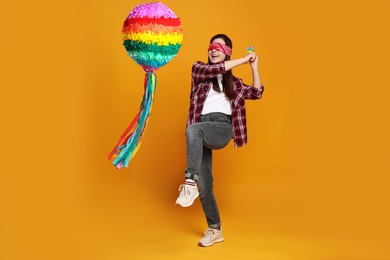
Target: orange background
(312, 183)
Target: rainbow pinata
(152, 35)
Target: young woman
(216, 114)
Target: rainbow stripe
(152, 35)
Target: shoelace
(184, 190)
(209, 232)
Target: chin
(215, 60)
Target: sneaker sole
(190, 203)
(206, 245)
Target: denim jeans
(213, 132)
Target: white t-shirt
(217, 101)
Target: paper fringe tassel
(129, 143)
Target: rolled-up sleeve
(255, 93)
(250, 92)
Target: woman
(216, 114)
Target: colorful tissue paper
(152, 36)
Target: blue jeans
(213, 132)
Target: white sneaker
(210, 237)
(188, 194)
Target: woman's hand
(252, 59)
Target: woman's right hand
(250, 57)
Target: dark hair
(227, 79)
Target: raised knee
(192, 131)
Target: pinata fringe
(129, 142)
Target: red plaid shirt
(202, 75)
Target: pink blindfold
(220, 47)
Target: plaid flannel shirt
(202, 75)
